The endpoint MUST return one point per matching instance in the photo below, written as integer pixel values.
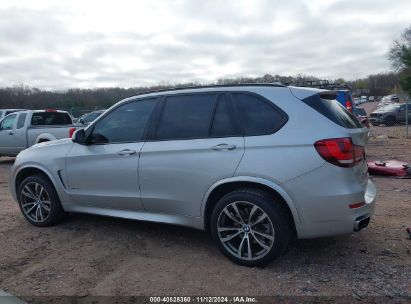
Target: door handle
(11, 133)
(126, 152)
(224, 147)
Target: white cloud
(61, 44)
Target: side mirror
(81, 120)
(80, 137)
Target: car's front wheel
(39, 202)
(250, 227)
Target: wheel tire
(389, 121)
(265, 203)
(55, 211)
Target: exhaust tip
(360, 223)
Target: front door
(7, 136)
(104, 173)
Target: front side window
(127, 123)
(257, 116)
(21, 120)
(186, 117)
(8, 122)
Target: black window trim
(89, 130)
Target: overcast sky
(61, 44)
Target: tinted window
(126, 123)
(21, 120)
(224, 123)
(51, 119)
(8, 122)
(359, 111)
(333, 110)
(257, 116)
(92, 116)
(186, 116)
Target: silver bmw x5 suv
(255, 165)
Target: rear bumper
(331, 215)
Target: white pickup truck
(23, 129)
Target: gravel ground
(94, 256)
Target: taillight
(71, 132)
(51, 110)
(348, 105)
(340, 151)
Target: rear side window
(257, 116)
(50, 118)
(186, 117)
(21, 120)
(224, 123)
(333, 110)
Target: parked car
(23, 129)
(87, 118)
(390, 114)
(389, 99)
(233, 160)
(362, 116)
(5, 112)
(344, 97)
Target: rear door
(196, 141)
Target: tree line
(22, 96)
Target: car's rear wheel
(250, 227)
(39, 202)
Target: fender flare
(28, 166)
(256, 180)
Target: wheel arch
(30, 171)
(225, 186)
(45, 137)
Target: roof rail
(276, 84)
(320, 84)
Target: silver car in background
(256, 165)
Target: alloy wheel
(35, 202)
(245, 230)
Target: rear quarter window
(258, 116)
(50, 119)
(326, 105)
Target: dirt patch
(90, 255)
